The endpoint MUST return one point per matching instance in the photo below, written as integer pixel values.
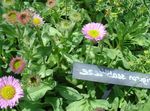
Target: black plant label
(110, 76)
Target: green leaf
(78, 106)
(88, 105)
(45, 72)
(99, 103)
(115, 104)
(69, 93)
(141, 41)
(146, 106)
(55, 102)
(51, 31)
(91, 89)
(54, 32)
(118, 92)
(111, 53)
(44, 51)
(35, 93)
(38, 5)
(69, 57)
(30, 106)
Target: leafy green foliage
(87, 105)
(51, 49)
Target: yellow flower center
(12, 16)
(7, 92)
(36, 21)
(93, 33)
(17, 64)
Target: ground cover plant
(40, 40)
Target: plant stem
(39, 36)
(6, 109)
(19, 36)
(101, 46)
(17, 107)
(66, 7)
(88, 53)
(20, 4)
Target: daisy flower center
(17, 64)
(33, 80)
(12, 15)
(93, 33)
(23, 16)
(50, 2)
(7, 92)
(36, 21)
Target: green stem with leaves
(19, 36)
(39, 36)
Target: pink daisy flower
(17, 65)
(94, 31)
(24, 17)
(10, 92)
(51, 3)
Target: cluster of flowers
(7, 3)
(24, 17)
(10, 87)
(92, 31)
